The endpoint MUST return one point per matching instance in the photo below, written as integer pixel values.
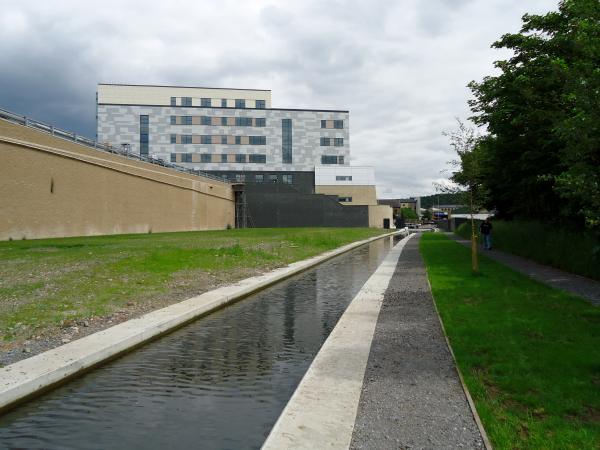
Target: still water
(219, 383)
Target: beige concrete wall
(50, 187)
(379, 212)
(161, 95)
(361, 195)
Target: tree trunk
(474, 259)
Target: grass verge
(529, 354)
(53, 282)
(574, 251)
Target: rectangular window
(186, 157)
(186, 101)
(223, 103)
(205, 120)
(259, 178)
(257, 159)
(224, 121)
(240, 177)
(223, 158)
(206, 139)
(243, 121)
(240, 158)
(173, 139)
(340, 160)
(345, 199)
(257, 140)
(173, 101)
(144, 134)
(186, 138)
(286, 141)
(323, 124)
(338, 142)
(238, 140)
(173, 120)
(173, 157)
(260, 104)
(325, 142)
(286, 179)
(205, 102)
(329, 159)
(273, 178)
(343, 178)
(186, 120)
(225, 177)
(205, 157)
(260, 122)
(239, 103)
(339, 124)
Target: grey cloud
(400, 67)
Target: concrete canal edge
(30, 377)
(322, 411)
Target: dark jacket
(485, 228)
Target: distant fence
(69, 136)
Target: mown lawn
(50, 282)
(530, 355)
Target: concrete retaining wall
(50, 187)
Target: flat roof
(220, 107)
(185, 87)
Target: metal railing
(73, 137)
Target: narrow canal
(219, 383)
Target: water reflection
(219, 383)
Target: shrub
(571, 250)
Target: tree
(408, 214)
(428, 214)
(468, 177)
(542, 115)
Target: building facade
(234, 133)
(237, 135)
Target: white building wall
(361, 175)
(121, 94)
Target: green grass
(529, 354)
(51, 282)
(571, 250)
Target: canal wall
(34, 375)
(51, 187)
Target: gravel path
(556, 278)
(412, 397)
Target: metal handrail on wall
(69, 136)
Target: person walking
(486, 231)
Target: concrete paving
(322, 410)
(27, 377)
(556, 278)
(412, 396)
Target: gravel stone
(412, 396)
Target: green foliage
(430, 201)
(49, 281)
(408, 214)
(542, 113)
(571, 250)
(528, 353)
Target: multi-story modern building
(234, 133)
(237, 135)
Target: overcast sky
(401, 67)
